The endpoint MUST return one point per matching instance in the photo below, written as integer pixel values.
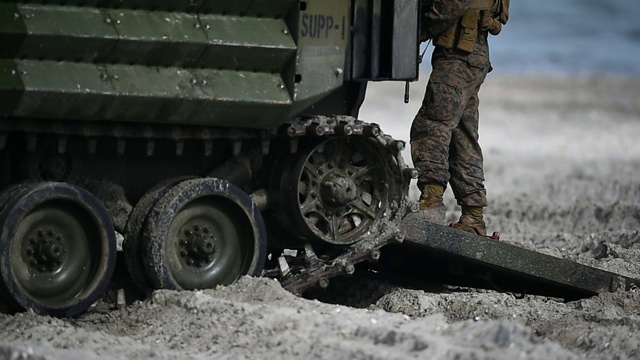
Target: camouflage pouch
(438, 16)
(469, 30)
(448, 38)
(492, 20)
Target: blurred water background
(569, 37)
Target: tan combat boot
(431, 206)
(471, 221)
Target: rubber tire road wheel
(133, 238)
(8, 194)
(204, 233)
(11, 192)
(57, 249)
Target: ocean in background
(569, 37)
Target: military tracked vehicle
(191, 142)
(199, 136)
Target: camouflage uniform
(444, 133)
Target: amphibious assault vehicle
(200, 136)
(195, 141)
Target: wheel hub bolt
(199, 246)
(47, 252)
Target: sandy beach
(562, 168)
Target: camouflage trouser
(444, 133)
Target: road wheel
(133, 238)
(57, 249)
(203, 233)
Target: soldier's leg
(466, 160)
(431, 131)
(466, 167)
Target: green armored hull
(242, 63)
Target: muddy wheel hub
(338, 190)
(46, 251)
(198, 245)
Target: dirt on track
(562, 164)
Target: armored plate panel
(247, 63)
